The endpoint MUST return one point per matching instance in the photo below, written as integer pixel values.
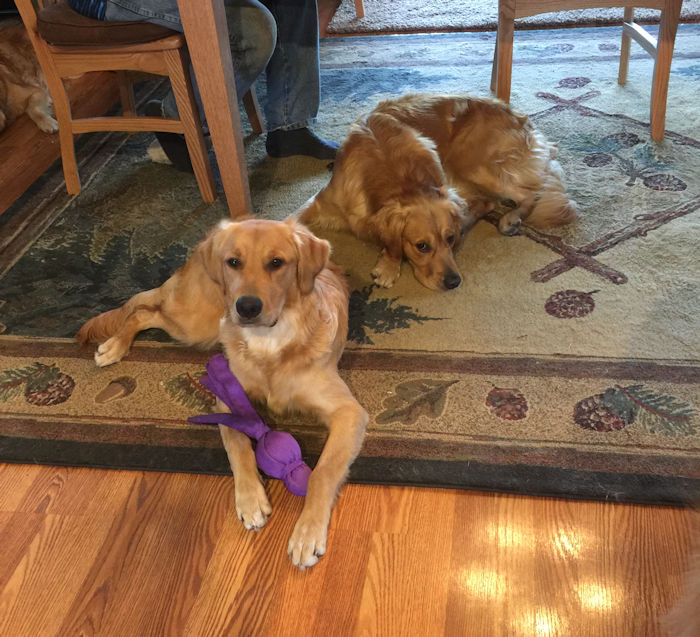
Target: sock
(300, 141)
(173, 144)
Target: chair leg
(126, 94)
(178, 66)
(504, 44)
(252, 109)
(62, 111)
(662, 67)
(360, 8)
(625, 48)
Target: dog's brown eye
(276, 263)
(234, 263)
(450, 239)
(422, 246)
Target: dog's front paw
(308, 541)
(111, 351)
(252, 506)
(509, 224)
(386, 272)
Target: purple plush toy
(276, 452)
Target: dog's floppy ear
(209, 254)
(312, 255)
(388, 225)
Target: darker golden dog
(416, 173)
(492, 155)
(388, 187)
(268, 293)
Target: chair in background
(660, 49)
(69, 44)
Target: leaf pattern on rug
(43, 385)
(617, 407)
(382, 316)
(422, 397)
(643, 164)
(186, 389)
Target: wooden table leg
(204, 24)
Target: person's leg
(293, 82)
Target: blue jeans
(279, 37)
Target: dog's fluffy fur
(491, 152)
(268, 293)
(405, 171)
(388, 186)
(22, 85)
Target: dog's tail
(553, 206)
(103, 326)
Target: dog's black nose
(451, 280)
(248, 307)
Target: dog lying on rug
(389, 187)
(491, 154)
(267, 291)
(22, 85)
(395, 176)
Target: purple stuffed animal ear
(278, 454)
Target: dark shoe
(173, 144)
(300, 141)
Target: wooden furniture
(661, 50)
(68, 44)
(204, 25)
(360, 8)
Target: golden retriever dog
(22, 85)
(492, 155)
(389, 187)
(267, 291)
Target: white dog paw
(110, 352)
(385, 277)
(307, 543)
(252, 506)
(47, 124)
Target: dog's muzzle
(248, 307)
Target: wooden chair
(661, 50)
(68, 44)
(360, 8)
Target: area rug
(566, 364)
(397, 16)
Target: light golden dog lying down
(417, 172)
(268, 293)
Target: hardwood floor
(93, 552)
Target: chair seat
(60, 25)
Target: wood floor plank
(157, 549)
(42, 586)
(525, 565)
(15, 481)
(404, 565)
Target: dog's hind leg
(143, 317)
(39, 109)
